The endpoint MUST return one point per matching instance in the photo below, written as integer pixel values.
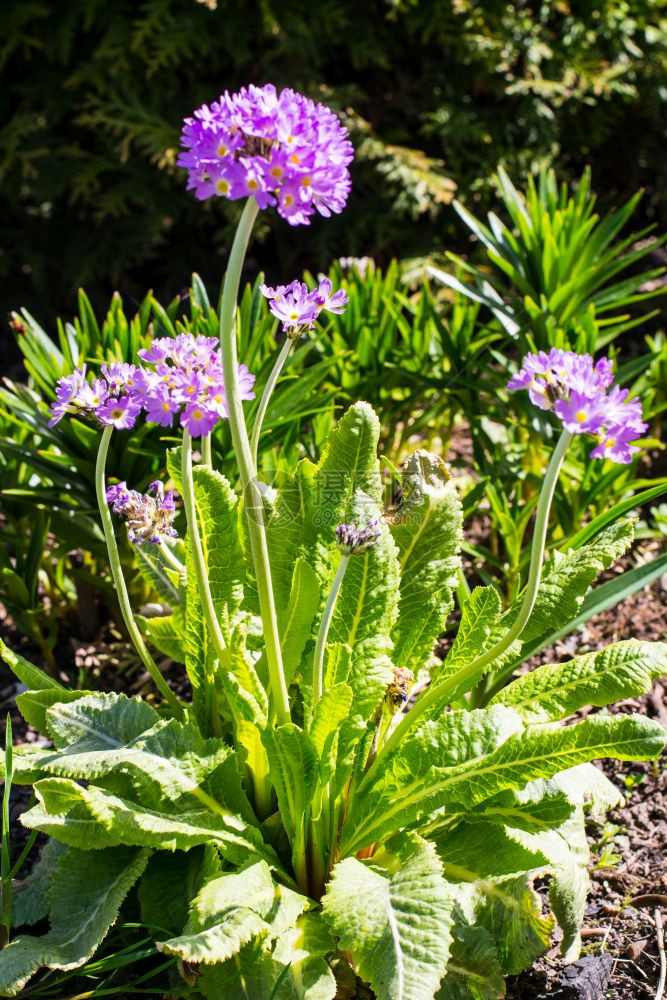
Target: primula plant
(328, 809)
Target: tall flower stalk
(119, 579)
(247, 471)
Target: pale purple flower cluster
(355, 539)
(280, 148)
(185, 376)
(180, 376)
(149, 515)
(576, 390)
(298, 308)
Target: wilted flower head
(398, 691)
(575, 389)
(355, 539)
(298, 308)
(149, 515)
(110, 399)
(280, 148)
(183, 375)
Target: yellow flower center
(306, 181)
(581, 416)
(293, 315)
(197, 414)
(116, 414)
(190, 390)
(221, 150)
(276, 171)
(165, 407)
(610, 442)
(252, 185)
(288, 200)
(294, 158)
(222, 186)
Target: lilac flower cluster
(576, 390)
(298, 308)
(355, 539)
(149, 515)
(280, 148)
(180, 376)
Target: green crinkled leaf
(394, 917)
(475, 634)
(293, 768)
(566, 577)
(445, 763)
(296, 623)
(33, 705)
(166, 633)
(230, 911)
(427, 531)
(156, 573)
(384, 801)
(551, 692)
(170, 883)
(285, 529)
(473, 970)
(27, 673)
(29, 895)
(87, 890)
(80, 817)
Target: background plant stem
(266, 396)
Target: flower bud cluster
(576, 390)
(354, 539)
(149, 515)
(280, 148)
(298, 308)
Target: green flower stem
(266, 396)
(321, 643)
(119, 580)
(188, 491)
(436, 692)
(207, 451)
(171, 559)
(248, 474)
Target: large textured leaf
(80, 816)
(565, 579)
(479, 620)
(87, 890)
(170, 883)
(27, 673)
(29, 895)
(443, 745)
(427, 530)
(230, 911)
(33, 705)
(166, 633)
(445, 763)
(473, 970)
(295, 623)
(623, 670)
(293, 768)
(394, 916)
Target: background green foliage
(437, 93)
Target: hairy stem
(206, 451)
(169, 557)
(119, 579)
(248, 474)
(437, 693)
(188, 490)
(266, 396)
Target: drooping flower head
(149, 515)
(280, 148)
(110, 399)
(298, 308)
(183, 375)
(576, 390)
(355, 539)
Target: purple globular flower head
(298, 308)
(575, 389)
(280, 148)
(149, 515)
(183, 375)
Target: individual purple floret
(355, 539)
(149, 515)
(575, 389)
(298, 308)
(280, 148)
